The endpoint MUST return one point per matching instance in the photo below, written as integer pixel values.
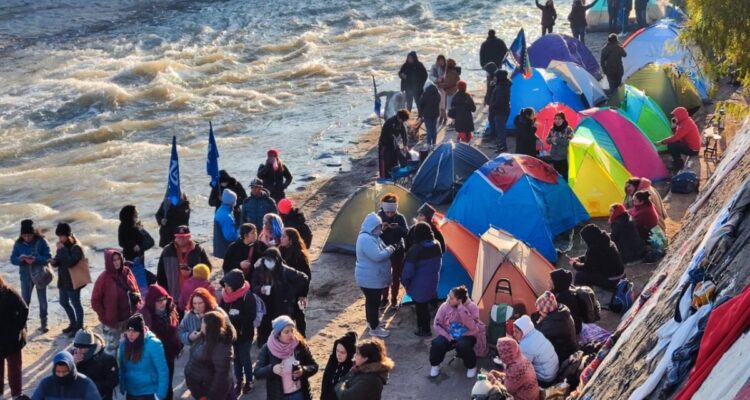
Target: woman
(69, 253)
(239, 303)
(644, 214)
(395, 231)
(273, 227)
(549, 16)
(275, 175)
(625, 234)
(461, 111)
(559, 137)
(143, 370)
(518, 377)
(199, 279)
(526, 138)
(115, 298)
(449, 81)
(339, 364)
(426, 213)
(633, 185)
(438, 69)
(30, 251)
(200, 303)
(557, 325)
(169, 217)
(285, 362)
(421, 274)
(295, 255)
(15, 313)
(458, 326)
(207, 371)
(131, 236)
(601, 265)
(225, 225)
(413, 76)
(160, 315)
(369, 374)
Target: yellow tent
(595, 176)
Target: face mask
(270, 264)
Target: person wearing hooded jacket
(492, 50)
(577, 19)
(633, 185)
(15, 314)
(143, 366)
(369, 374)
(170, 217)
(199, 279)
(686, 139)
(207, 373)
(422, 273)
(462, 110)
(226, 181)
(429, 111)
(275, 175)
(388, 143)
(426, 213)
(559, 138)
(537, 349)
(65, 382)
(564, 292)
(239, 303)
(160, 315)
(258, 204)
(557, 325)
(340, 362)
(644, 214)
(518, 376)
(625, 235)
(293, 217)
(94, 362)
(611, 62)
(413, 75)
(69, 253)
(499, 108)
(31, 250)
(601, 265)
(549, 15)
(225, 226)
(526, 138)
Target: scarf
(275, 165)
(237, 294)
(285, 353)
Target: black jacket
(562, 281)
(264, 370)
(242, 315)
(210, 375)
(429, 103)
(525, 136)
(611, 59)
(296, 219)
(15, 313)
(275, 181)
(298, 262)
(392, 131)
(416, 75)
(214, 199)
(336, 371)
(558, 327)
(130, 235)
(463, 107)
(65, 259)
(577, 16)
(435, 232)
(641, 4)
(102, 369)
(394, 236)
(626, 238)
(492, 50)
(602, 257)
(287, 286)
(175, 216)
(549, 14)
(238, 252)
(500, 99)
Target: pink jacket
(468, 315)
(189, 286)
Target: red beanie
(617, 210)
(461, 86)
(273, 153)
(285, 206)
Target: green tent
(643, 110)
(345, 228)
(667, 86)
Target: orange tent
(501, 256)
(462, 243)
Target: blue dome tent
(444, 171)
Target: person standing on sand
(199, 279)
(244, 252)
(177, 261)
(613, 10)
(577, 19)
(295, 255)
(436, 73)
(161, 317)
(225, 226)
(258, 204)
(226, 181)
(549, 15)
(449, 82)
(15, 314)
(421, 274)
(559, 138)
(273, 227)
(413, 76)
(199, 303)
(388, 147)
(372, 270)
(131, 235)
(143, 366)
(293, 217)
(239, 303)
(275, 175)
(368, 376)
(207, 373)
(69, 253)
(94, 362)
(395, 230)
(499, 108)
(462, 112)
(340, 362)
(492, 50)
(426, 213)
(526, 138)
(65, 383)
(429, 111)
(170, 217)
(31, 251)
(611, 62)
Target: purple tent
(563, 48)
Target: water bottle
(482, 386)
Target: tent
(595, 176)
(546, 117)
(503, 256)
(559, 47)
(597, 16)
(445, 170)
(343, 235)
(660, 43)
(540, 89)
(580, 81)
(624, 141)
(667, 86)
(522, 195)
(643, 110)
(460, 258)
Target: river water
(93, 90)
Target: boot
(70, 328)
(43, 328)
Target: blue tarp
(563, 48)
(444, 171)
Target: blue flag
(518, 57)
(212, 162)
(173, 179)
(377, 99)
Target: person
(462, 111)
(239, 303)
(557, 325)
(207, 373)
(372, 270)
(559, 138)
(537, 349)
(489, 82)
(225, 226)
(436, 73)
(199, 279)
(549, 15)
(429, 111)
(625, 235)
(15, 314)
(30, 251)
(293, 217)
(273, 227)
(200, 302)
(177, 261)
(339, 364)
(160, 315)
(601, 265)
(394, 233)
(644, 214)
(613, 10)
(244, 252)
(492, 50)
(449, 82)
(143, 366)
(275, 175)
(458, 326)
(286, 363)
(170, 217)
(426, 213)
(413, 76)
(368, 376)
(394, 101)
(438, 69)
(295, 255)
(518, 375)
(115, 298)
(686, 138)
(499, 108)
(258, 204)
(526, 138)
(640, 12)
(577, 19)
(627, 6)
(633, 185)
(69, 254)
(65, 382)
(281, 288)
(564, 292)
(226, 181)
(388, 147)
(611, 62)
(421, 274)
(92, 361)
(131, 236)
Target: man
(91, 360)
(394, 101)
(413, 75)
(258, 204)
(429, 111)
(640, 12)
(293, 217)
(226, 181)
(65, 382)
(685, 140)
(177, 261)
(499, 109)
(244, 252)
(613, 10)
(493, 50)
(611, 61)
(394, 233)
(577, 19)
(388, 147)
(425, 213)
(537, 349)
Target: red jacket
(645, 218)
(110, 298)
(686, 131)
(164, 327)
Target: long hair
(644, 196)
(217, 330)
(2, 282)
(296, 244)
(208, 299)
(134, 350)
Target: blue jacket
(73, 386)
(38, 247)
(254, 208)
(225, 228)
(148, 376)
(422, 270)
(373, 266)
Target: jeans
(677, 149)
(397, 266)
(615, 80)
(298, 395)
(264, 330)
(613, 14)
(640, 17)
(15, 363)
(372, 306)
(431, 125)
(70, 300)
(299, 319)
(243, 365)
(170, 367)
(497, 124)
(579, 32)
(41, 293)
(561, 166)
(464, 348)
(546, 29)
(423, 315)
(412, 96)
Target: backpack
(260, 310)
(623, 297)
(684, 182)
(500, 313)
(587, 301)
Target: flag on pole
(377, 99)
(173, 179)
(212, 162)
(520, 55)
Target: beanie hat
(228, 197)
(201, 271)
(427, 210)
(63, 229)
(349, 341)
(273, 153)
(617, 210)
(136, 323)
(86, 338)
(183, 230)
(27, 227)
(285, 206)
(546, 303)
(255, 182)
(461, 86)
(422, 232)
(281, 322)
(234, 279)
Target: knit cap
(546, 303)
(281, 322)
(201, 271)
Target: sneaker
(69, 329)
(471, 373)
(238, 389)
(248, 387)
(434, 371)
(380, 332)
(43, 329)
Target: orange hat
(284, 206)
